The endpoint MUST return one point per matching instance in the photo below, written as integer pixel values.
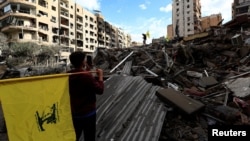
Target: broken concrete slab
(240, 87)
(207, 81)
(183, 102)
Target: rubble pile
(215, 74)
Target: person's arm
(98, 84)
(99, 74)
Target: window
(77, 10)
(71, 7)
(53, 19)
(71, 16)
(20, 23)
(187, 6)
(53, 8)
(20, 35)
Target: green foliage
(28, 52)
(23, 49)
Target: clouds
(143, 6)
(209, 7)
(167, 8)
(89, 4)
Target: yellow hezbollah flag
(148, 34)
(37, 108)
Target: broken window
(53, 19)
(20, 23)
(20, 35)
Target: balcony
(43, 28)
(31, 3)
(79, 37)
(79, 29)
(64, 42)
(20, 13)
(64, 5)
(65, 14)
(43, 3)
(12, 28)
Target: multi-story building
(212, 20)
(128, 40)
(170, 34)
(90, 31)
(240, 15)
(186, 17)
(55, 23)
(240, 20)
(240, 8)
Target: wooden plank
(181, 101)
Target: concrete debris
(213, 76)
(183, 102)
(240, 87)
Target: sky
(135, 17)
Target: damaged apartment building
(187, 20)
(186, 17)
(189, 26)
(61, 23)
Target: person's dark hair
(76, 58)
